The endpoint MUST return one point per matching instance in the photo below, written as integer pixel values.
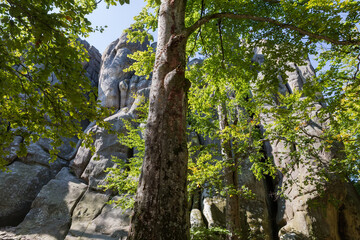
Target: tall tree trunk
(160, 210)
(233, 218)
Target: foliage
(44, 91)
(144, 61)
(215, 233)
(123, 177)
(281, 32)
(339, 85)
(246, 89)
(205, 169)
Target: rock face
(46, 203)
(305, 214)
(114, 61)
(18, 189)
(64, 199)
(27, 175)
(51, 211)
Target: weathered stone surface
(106, 146)
(81, 160)
(8, 233)
(37, 155)
(66, 151)
(13, 148)
(256, 209)
(85, 212)
(114, 61)
(214, 211)
(92, 67)
(113, 221)
(98, 222)
(18, 188)
(196, 219)
(83, 155)
(50, 216)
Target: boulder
(103, 222)
(107, 146)
(51, 211)
(13, 148)
(37, 155)
(81, 160)
(88, 208)
(19, 187)
(66, 151)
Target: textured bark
(160, 210)
(233, 218)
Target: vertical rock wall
(308, 210)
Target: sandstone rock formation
(27, 175)
(64, 199)
(114, 61)
(70, 204)
(309, 210)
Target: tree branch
(221, 41)
(208, 18)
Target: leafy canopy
(226, 34)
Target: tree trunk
(160, 210)
(233, 218)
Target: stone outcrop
(114, 61)
(70, 204)
(28, 174)
(64, 199)
(19, 188)
(51, 211)
(313, 208)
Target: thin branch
(199, 31)
(221, 40)
(357, 67)
(208, 18)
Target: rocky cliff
(64, 200)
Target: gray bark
(160, 210)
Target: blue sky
(117, 18)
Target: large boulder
(94, 219)
(18, 188)
(107, 146)
(39, 156)
(51, 211)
